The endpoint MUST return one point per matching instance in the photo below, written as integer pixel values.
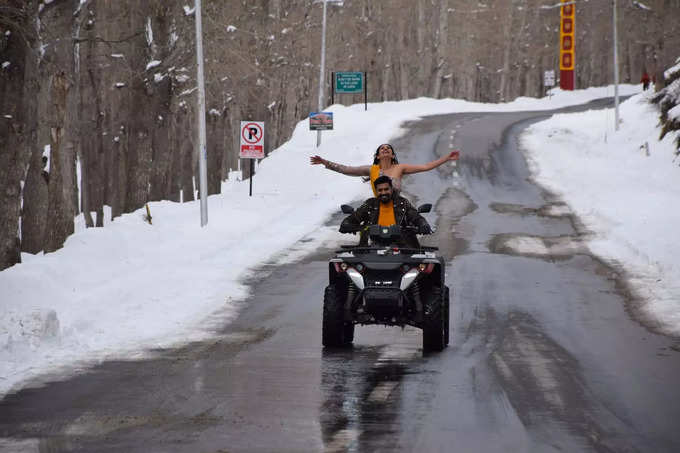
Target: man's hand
(348, 228)
(424, 229)
(316, 160)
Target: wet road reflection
(362, 394)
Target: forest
(98, 97)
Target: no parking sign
(252, 140)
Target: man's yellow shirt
(386, 216)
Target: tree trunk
(160, 142)
(178, 121)
(189, 158)
(503, 88)
(421, 27)
(442, 48)
(60, 210)
(12, 151)
(84, 197)
(34, 194)
(214, 150)
(11, 173)
(138, 166)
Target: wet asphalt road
(546, 354)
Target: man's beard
(385, 198)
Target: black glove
(348, 228)
(424, 229)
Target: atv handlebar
(377, 230)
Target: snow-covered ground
(625, 188)
(122, 290)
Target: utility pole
(322, 68)
(616, 71)
(202, 152)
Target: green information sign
(349, 82)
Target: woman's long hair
(377, 151)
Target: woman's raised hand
(316, 160)
(455, 155)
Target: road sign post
(202, 148)
(322, 66)
(252, 144)
(365, 92)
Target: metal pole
(322, 68)
(365, 92)
(202, 153)
(616, 72)
(252, 170)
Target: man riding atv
(386, 210)
(388, 278)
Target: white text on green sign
(349, 82)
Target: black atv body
(389, 285)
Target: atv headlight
(356, 277)
(408, 278)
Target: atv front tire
(335, 331)
(434, 331)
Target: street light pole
(616, 70)
(202, 153)
(322, 68)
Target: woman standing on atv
(384, 163)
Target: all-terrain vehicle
(383, 283)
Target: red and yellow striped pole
(567, 19)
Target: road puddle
(551, 248)
(556, 209)
(8, 445)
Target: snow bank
(625, 187)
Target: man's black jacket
(404, 214)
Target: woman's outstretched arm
(364, 170)
(409, 168)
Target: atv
(383, 283)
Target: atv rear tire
(434, 332)
(335, 331)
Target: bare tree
(132, 74)
(12, 130)
(60, 212)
